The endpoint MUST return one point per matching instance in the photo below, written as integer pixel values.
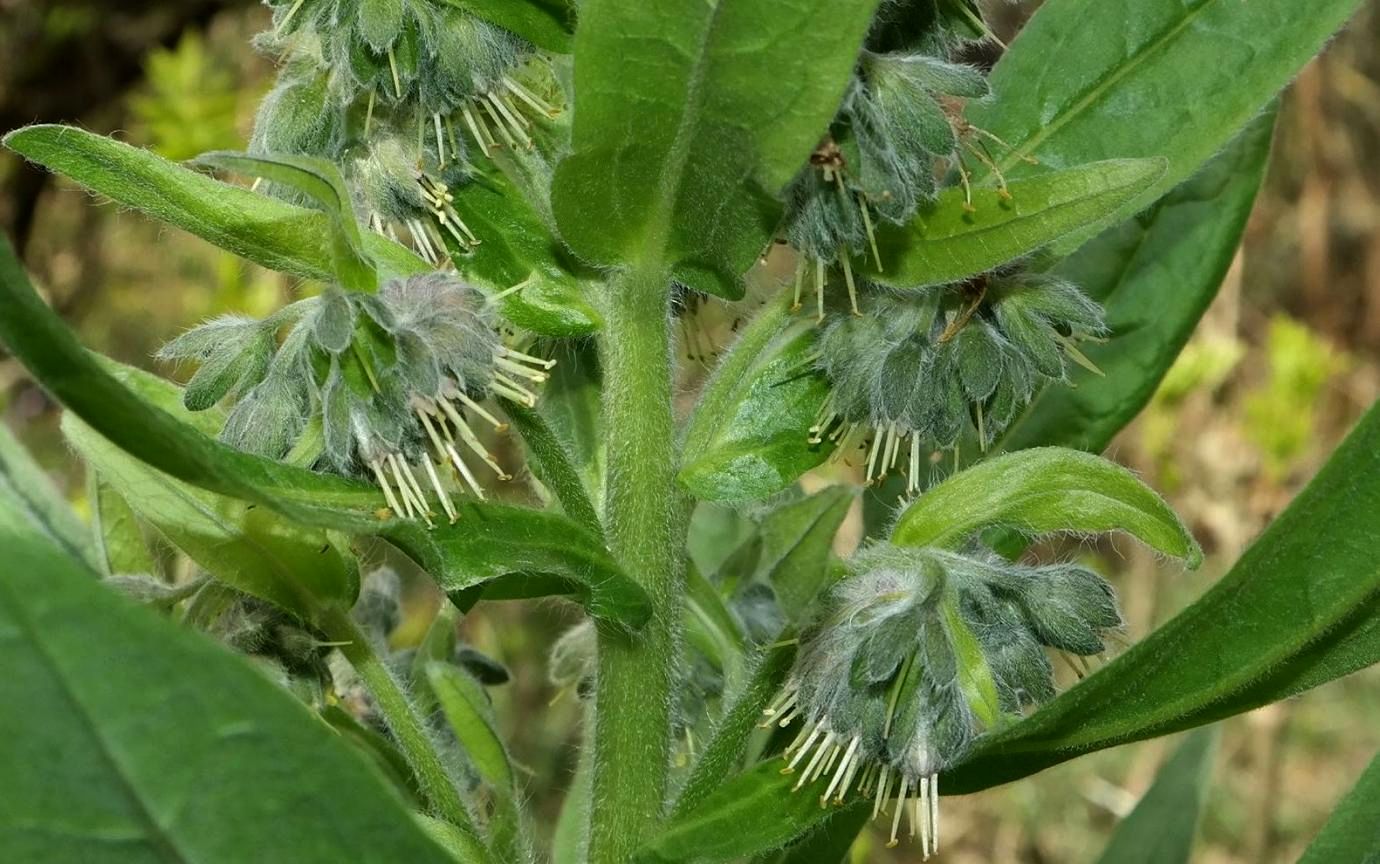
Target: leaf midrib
(161, 841)
(1100, 87)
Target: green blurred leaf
(682, 137)
(753, 812)
(1045, 490)
(1155, 275)
(35, 504)
(498, 550)
(1352, 833)
(1101, 79)
(517, 247)
(120, 541)
(264, 230)
(1162, 827)
(470, 716)
(711, 628)
(1301, 608)
(749, 435)
(380, 749)
(547, 24)
(320, 181)
(252, 548)
(570, 405)
(947, 243)
(126, 738)
(797, 546)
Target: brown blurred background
(1285, 361)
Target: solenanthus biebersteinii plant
(917, 652)
(620, 161)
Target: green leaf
(34, 502)
(729, 743)
(252, 548)
(749, 436)
(319, 180)
(1155, 276)
(517, 247)
(1099, 79)
(127, 738)
(547, 24)
(523, 553)
(1043, 491)
(797, 542)
(711, 628)
(752, 812)
(570, 405)
(467, 710)
(681, 143)
(554, 466)
(1162, 827)
(1301, 607)
(264, 230)
(120, 541)
(947, 243)
(1352, 833)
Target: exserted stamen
(900, 805)
(441, 493)
(531, 99)
(474, 130)
(388, 495)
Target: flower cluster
(395, 379)
(938, 363)
(899, 130)
(913, 656)
(380, 87)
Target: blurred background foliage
(1283, 363)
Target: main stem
(642, 518)
(403, 721)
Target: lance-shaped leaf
(511, 551)
(38, 505)
(749, 436)
(1046, 490)
(946, 242)
(125, 737)
(755, 811)
(264, 230)
(1155, 275)
(517, 248)
(469, 714)
(681, 143)
(1100, 79)
(320, 181)
(1352, 833)
(298, 240)
(1301, 608)
(252, 548)
(1162, 827)
(547, 24)
(797, 541)
(119, 536)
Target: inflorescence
(395, 379)
(913, 656)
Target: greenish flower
(917, 653)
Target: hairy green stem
(403, 721)
(643, 518)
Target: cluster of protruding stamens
(818, 751)
(507, 117)
(445, 421)
(886, 444)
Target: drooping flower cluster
(899, 130)
(395, 379)
(917, 653)
(934, 364)
(390, 90)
